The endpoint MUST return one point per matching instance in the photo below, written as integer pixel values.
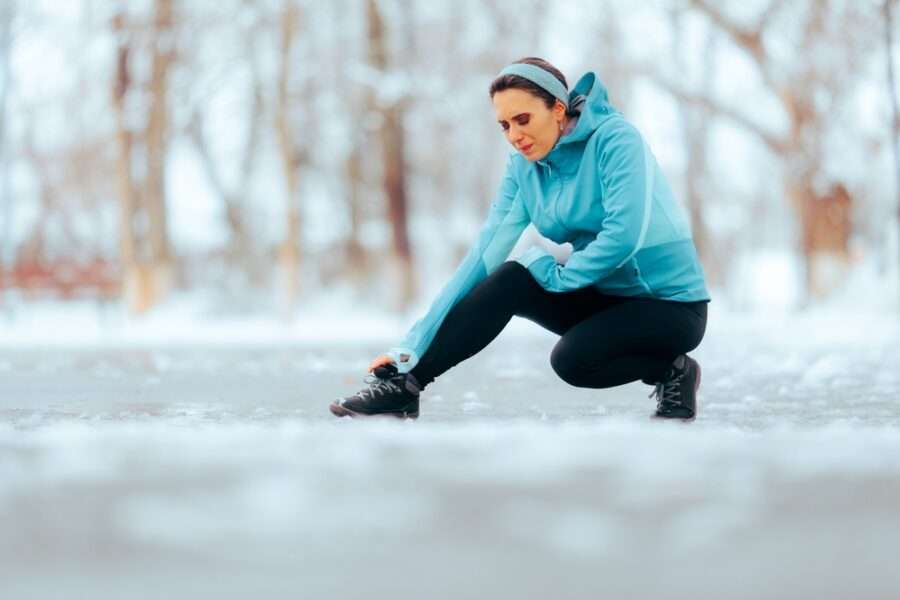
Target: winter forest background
(214, 214)
(269, 157)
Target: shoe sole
(342, 411)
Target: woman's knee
(565, 364)
(511, 274)
(568, 362)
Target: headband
(539, 76)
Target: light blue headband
(539, 76)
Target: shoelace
(667, 394)
(377, 387)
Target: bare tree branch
(768, 14)
(750, 40)
(254, 127)
(776, 143)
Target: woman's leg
(481, 315)
(637, 338)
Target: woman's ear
(559, 109)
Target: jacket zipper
(559, 192)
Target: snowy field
(209, 467)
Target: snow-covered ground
(201, 461)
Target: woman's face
(528, 124)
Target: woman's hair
(506, 82)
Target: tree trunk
(7, 10)
(136, 289)
(395, 188)
(247, 254)
(289, 251)
(895, 109)
(391, 135)
(146, 261)
(157, 145)
(802, 197)
(356, 258)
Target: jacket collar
(590, 99)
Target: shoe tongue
(412, 384)
(671, 374)
(385, 371)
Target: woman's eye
(523, 121)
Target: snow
(168, 460)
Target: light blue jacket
(601, 189)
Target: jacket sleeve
(627, 176)
(505, 223)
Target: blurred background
(269, 157)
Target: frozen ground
(136, 468)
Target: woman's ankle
(420, 379)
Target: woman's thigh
(560, 312)
(592, 323)
(636, 326)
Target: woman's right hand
(381, 361)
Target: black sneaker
(389, 393)
(676, 397)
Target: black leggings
(606, 340)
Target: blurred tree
(888, 8)
(482, 40)
(391, 103)
(382, 101)
(695, 124)
(291, 133)
(136, 288)
(616, 68)
(163, 53)
(356, 260)
(142, 132)
(62, 241)
(808, 91)
(356, 263)
(7, 12)
(51, 211)
(234, 191)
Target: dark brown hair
(506, 82)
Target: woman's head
(531, 115)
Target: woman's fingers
(382, 360)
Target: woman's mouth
(526, 149)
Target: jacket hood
(590, 98)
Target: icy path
(190, 471)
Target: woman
(629, 303)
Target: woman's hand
(381, 361)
